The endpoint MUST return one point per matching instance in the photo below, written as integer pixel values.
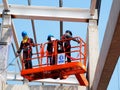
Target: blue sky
(44, 27)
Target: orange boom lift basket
(61, 69)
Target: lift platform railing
(78, 53)
(60, 67)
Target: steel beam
(92, 7)
(50, 13)
(9, 23)
(93, 50)
(98, 5)
(5, 3)
(14, 36)
(61, 23)
(6, 36)
(34, 33)
(6, 21)
(19, 66)
(15, 39)
(110, 50)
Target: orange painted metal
(44, 70)
(82, 79)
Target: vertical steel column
(98, 5)
(92, 7)
(93, 52)
(6, 36)
(61, 23)
(34, 33)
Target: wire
(9, 64)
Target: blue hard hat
(49, 36)
(24, 33)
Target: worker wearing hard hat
(67, 45)
(51, 57)
(26, 46)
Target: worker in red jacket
(26, 46)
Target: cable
(9, 64)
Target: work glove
(17, 53)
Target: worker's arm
(32, 42)
(19, 50)
(76, 40)
(21, 47)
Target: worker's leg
(50, 59)
(68, 54)
(53, 59)
(24, 60)
(30, 61)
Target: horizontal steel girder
(49, 13)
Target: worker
(51, 56)
(26, 46)
(66, 43)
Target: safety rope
(9, 65)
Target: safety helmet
(68, 31)
(49, 37)
(24, 33)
